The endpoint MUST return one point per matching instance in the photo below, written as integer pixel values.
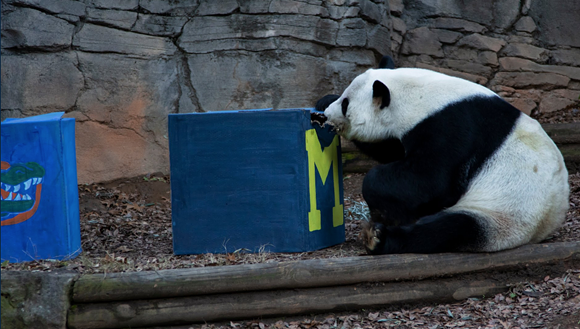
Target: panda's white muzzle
(335, 118)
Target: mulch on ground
(126, 226)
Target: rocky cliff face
(119, 67)
(527, 51)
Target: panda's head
(383, 103)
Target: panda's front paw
(371, 236)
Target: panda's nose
(344, 106)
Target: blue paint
(239, 180)
(51, 228)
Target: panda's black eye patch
(344, 106)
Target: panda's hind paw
(370, 235)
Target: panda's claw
(369, 234)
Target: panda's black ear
(381, 91)
(387, 62)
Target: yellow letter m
(322, 160)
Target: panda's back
(455, 143)
(521, 191)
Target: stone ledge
(100, 39)
(36, 299)
(32, 28)
(546, 81)
(522, 65)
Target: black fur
(385, 151)
(443, 153)
(382, 92)
(325, 102)
(386, 63)
(344, 106)
(442, 232)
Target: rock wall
(527, 51)
(120, 67)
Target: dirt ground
(126, 226)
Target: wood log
(353, 161)
(307, 274)
(347, 146)
(357, 162)
(188, 310)
(565, 135)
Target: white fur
(415, 94)
(522, 191)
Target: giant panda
(461, 169)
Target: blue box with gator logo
(254, 180)
(40, 203)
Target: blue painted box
(40, 202)
(258, 180)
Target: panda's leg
(391, 196)
(442, 232)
